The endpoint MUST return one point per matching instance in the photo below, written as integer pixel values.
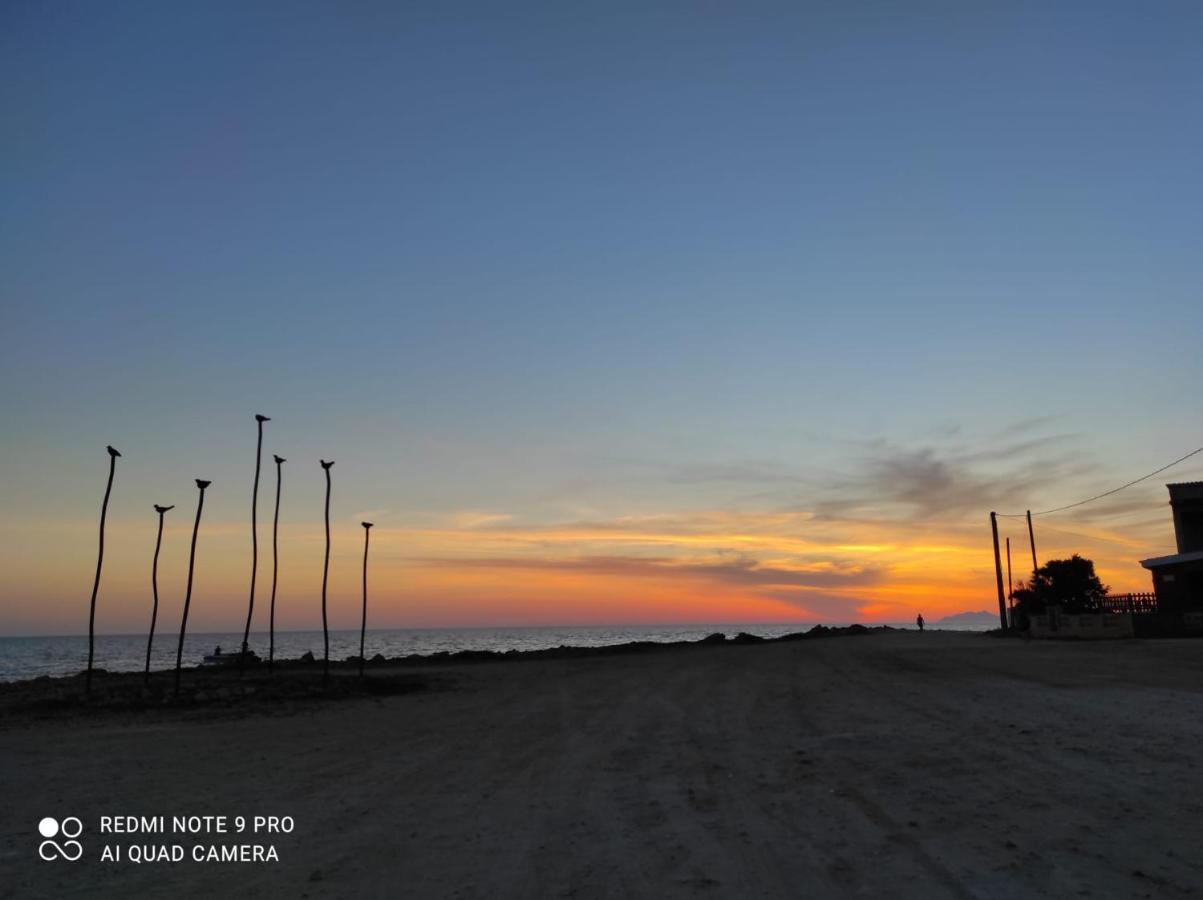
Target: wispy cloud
(739, 472)
(1032, 423)
(742, 571)
(933, 482)
(477, 518)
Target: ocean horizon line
(552, 627)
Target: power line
(1084, 536)
(1045, 512)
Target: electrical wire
(1045, 512)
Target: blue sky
(564, 262)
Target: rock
(307, 656)
(717, 638)
(379, 658)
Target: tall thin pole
(1010, 586)
(1032, 543)
(363, 627)
(104, 509)
(154, 587)
(326, 577)
(271, 627)
(179, 653)
(250, 606)
(1002, 602)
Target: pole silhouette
(179, 653)
(250, 606)
(1002, 603)
(271, 625)
(326, 577)
(1010, 584)
(1032, 541)
(104, 509)
(363, 626)
(154, 587)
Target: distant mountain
(967, 621)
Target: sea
(30, 657)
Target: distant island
(968, 621)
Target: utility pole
(1032, 541)
(1010, 584)
(1002, 600)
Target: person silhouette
(919, 621)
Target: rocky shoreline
(289, 681)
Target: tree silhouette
(250, 606)
(179, 653)
(326, 576)
(154, 586)
(1068, 583)
(271, 632)
(363, 626)
(104, 509)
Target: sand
(888, 765)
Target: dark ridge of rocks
(825, 631)
(294, 680)
(744, 638)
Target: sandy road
(902, 765)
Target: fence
(1145, 603)
(1099, 625)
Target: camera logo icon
(69, 829)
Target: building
(1178, 578)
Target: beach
(891, 764)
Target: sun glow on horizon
(487, 567)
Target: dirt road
(899, 765)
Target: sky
(607, 313)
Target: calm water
(29, 657)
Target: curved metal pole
(363, 627)
(250, 606)
(271, 627)
(154, 586)
(326, 577)
(104, 509)
(179, 653)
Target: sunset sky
(631, 313)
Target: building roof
(1186, 490)
(1158, 561)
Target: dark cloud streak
(934, 483)
(742, 571)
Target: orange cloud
(487, 568)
